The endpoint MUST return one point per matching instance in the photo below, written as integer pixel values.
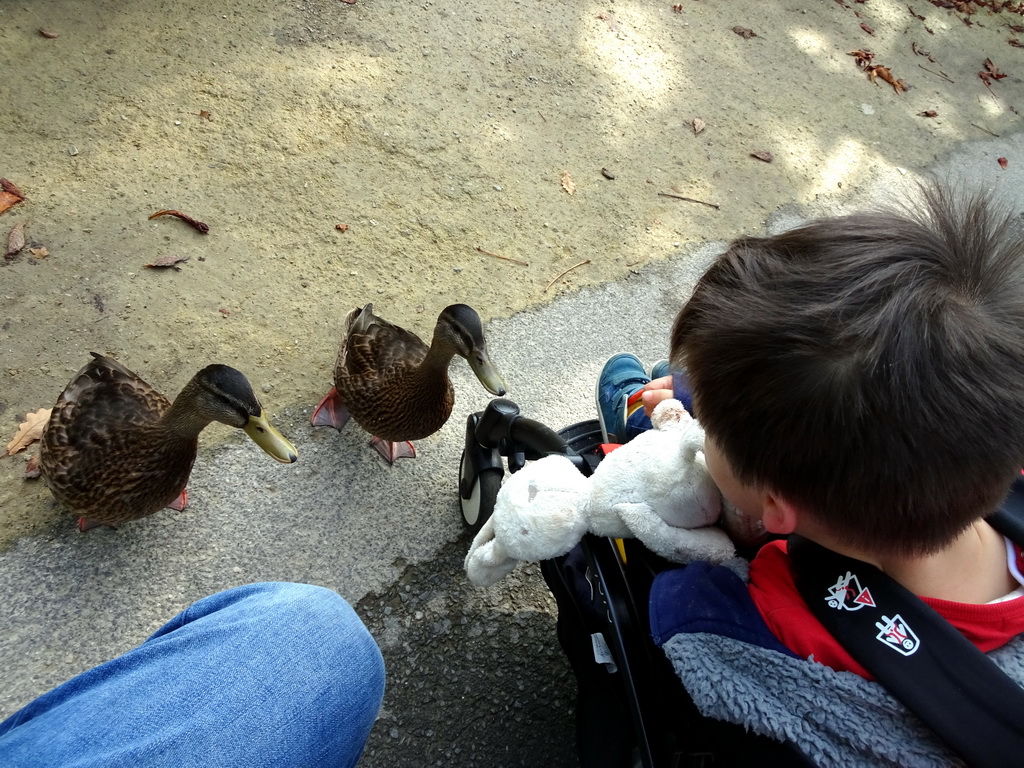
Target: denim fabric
(270, 674)
(641, 422)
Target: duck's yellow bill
(487, 373)
(270, 440)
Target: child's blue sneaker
(659, 369)
(622, 375)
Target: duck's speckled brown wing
(372, 348)
(101, 453)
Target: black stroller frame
(619, 573)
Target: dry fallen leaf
(607, 174)
(194, 223)
(990, 73)
(30, 430)
(883, 73)
(698, 125)
(993, 70)
(867, 29)
(567, 183)
(9, 194)
(745, 33)
(40, 252)
(341, 227)
(763, 156)
(170, 260)
(862, 56)
(15, 240)
(206, 114)
(1002, 162)
(9, 186)
(928, 113)
(48, 33)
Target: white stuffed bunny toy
(655, 488)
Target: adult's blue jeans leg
(268, 674)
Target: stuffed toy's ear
(488, 562)
(536, 517)
(669, 413)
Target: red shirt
(773, 591)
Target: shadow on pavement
(475, 676)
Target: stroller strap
(940, 676)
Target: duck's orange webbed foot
(330, 411)
(391, 451)
(180, 502)
(85, 524)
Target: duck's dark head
(223, 394)
(459, 327)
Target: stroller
(631, 709)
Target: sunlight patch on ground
(993, 106)
(841, 164)
(817, 46)
(846, 164)
(633, 60)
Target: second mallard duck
(394, 385)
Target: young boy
(861, 383)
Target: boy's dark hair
(869, 368)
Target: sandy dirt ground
(439, 134)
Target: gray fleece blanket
(837, 718)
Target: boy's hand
(655, 391)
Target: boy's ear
(779, 516)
